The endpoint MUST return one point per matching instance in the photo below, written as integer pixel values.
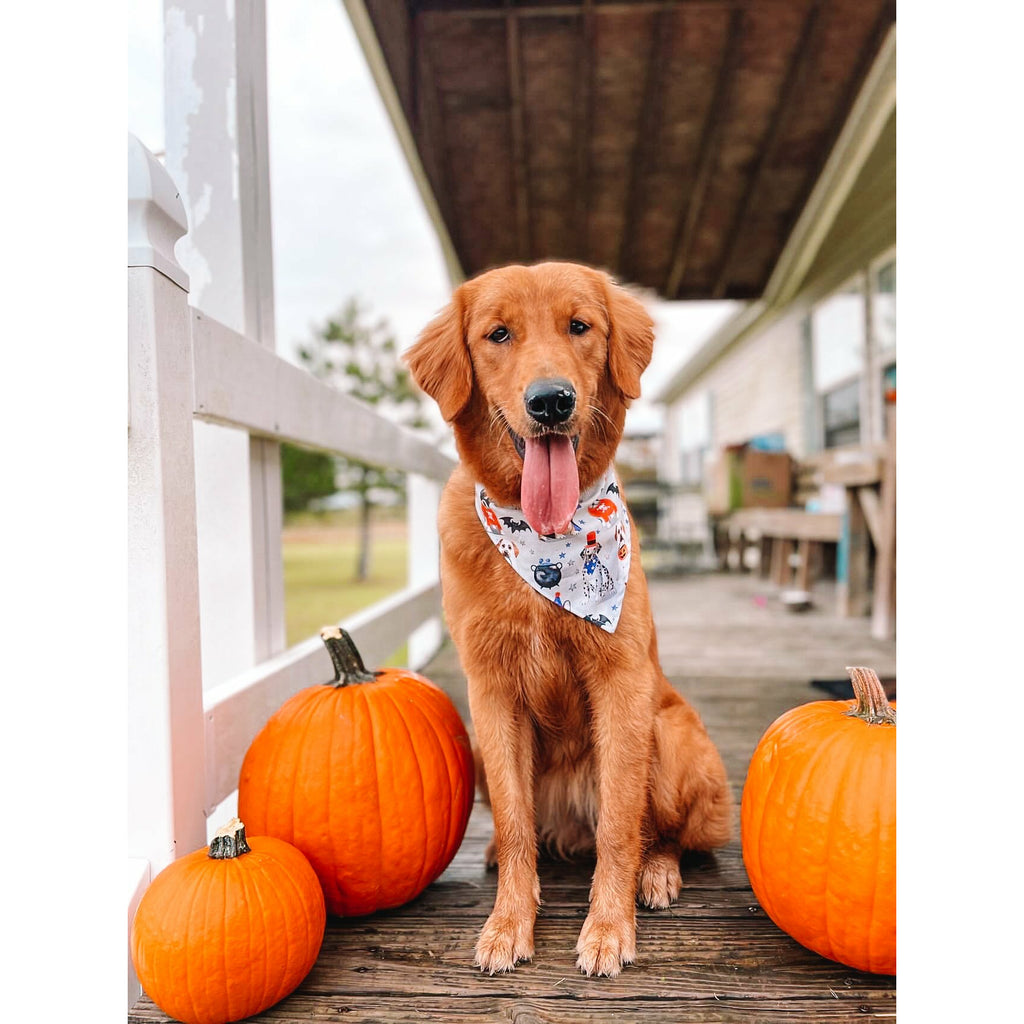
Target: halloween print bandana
(584, 571)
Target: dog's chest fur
(546, 655)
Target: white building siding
(757, 387)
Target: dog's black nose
(550, 401)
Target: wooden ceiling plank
(460, 9)
(520, 166)
(811, 34)
(868, 55)
(708, 150)
(647, 138)
(583, 122)
(429, 131)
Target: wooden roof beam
(520, 167)
(647, 137)
(583, 121)
(710, 139)
(796, 77)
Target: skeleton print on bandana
(583, 572)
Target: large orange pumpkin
(818, 826)
(227, 931)
(369, 774)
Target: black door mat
(842, 689)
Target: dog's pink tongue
(551, 484)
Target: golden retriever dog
(584, 746)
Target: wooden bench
(868, 476)
(779, 531)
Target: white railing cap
(156, 214)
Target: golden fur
(582, 743)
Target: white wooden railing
(186, 744)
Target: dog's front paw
(660, 881)
(503, 942)
(605, 945)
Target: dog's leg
(660, 881)
(691, 803)
(505, 736)
(621, 727)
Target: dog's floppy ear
(630, 339)
(439, 361)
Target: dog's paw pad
(660, 882)
(606, 946)
(502, 944)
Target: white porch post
(165, 688)
(423, 495)
(216, 131)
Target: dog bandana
(584, 571)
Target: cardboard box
(744, 477)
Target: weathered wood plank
(830, 1008)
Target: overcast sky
(347, 217)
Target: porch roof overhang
(675, 144)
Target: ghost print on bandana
(584, 571)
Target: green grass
(319, 554)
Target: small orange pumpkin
(227, 931)
(818, 826)
(370, 775)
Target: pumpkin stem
(347, 661)
(872, 705)
(229, 841)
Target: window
(839, 341)
(841, 414)
(883, 307)
(883, 326)
(695, 434)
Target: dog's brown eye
(499, 335)
(578, 327)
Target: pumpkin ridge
(297, 762)
(427, 729)
(197, 886)
(379, 873)
(873, 958)
(458, 818)
(332, 839)
(838, 786)
(262, 916)
(426, 711)
(806, 772)
(204, 886)
(284, 983)
(422, 802)
(224, 945)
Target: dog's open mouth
(520, 443)
(550, 488)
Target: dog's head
(535, 367)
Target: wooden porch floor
(742, 659)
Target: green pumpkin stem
(229, 841)
(872, 705)
(347, 661)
